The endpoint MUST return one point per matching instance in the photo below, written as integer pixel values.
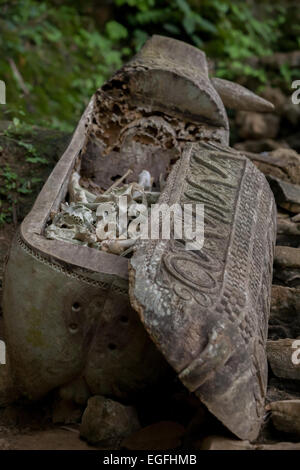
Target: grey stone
(284, 319)
(287, 257)
(292, 113)
(287, 195)
(261, 145)
(276, 96)
(281, 163)
(288, 231)
(280, 354)
(287, 266)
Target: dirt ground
(54, 438)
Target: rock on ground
(284, 319)
(107, 422)
(287, 266)
(286, 416)
(253, 125)
(281, 163)
(280, 357)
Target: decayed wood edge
(51, 195)
(138, 307)
(173, 196)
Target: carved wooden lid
(207, 309)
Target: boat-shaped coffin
(205, 310)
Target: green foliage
(55, 54)
(231, 31)
(12, 188)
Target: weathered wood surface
(205, 310)
(208, 310)
(280, 357)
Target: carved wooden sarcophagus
(68, 320)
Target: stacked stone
(272, 142)
(281, 165)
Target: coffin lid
(207, 309)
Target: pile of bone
(100, 220)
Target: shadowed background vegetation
(54, 54)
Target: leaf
(171, 28)
(183, 6)
(189, 24)
(116, 31)
(140, 37)
(205, 25)
(198, 41)
(16, 122)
